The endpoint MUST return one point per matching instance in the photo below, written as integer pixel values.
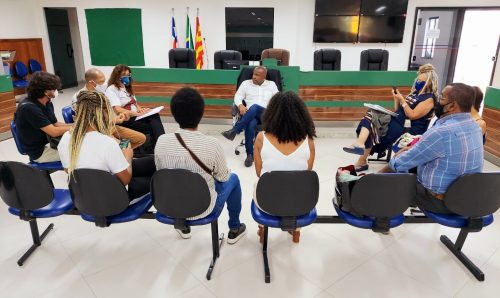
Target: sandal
(354, 150)
(361, 168)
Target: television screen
(388, 29)
(336, 29)
(337, 7)
(384, 7)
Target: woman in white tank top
(286, 142)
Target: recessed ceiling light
(259, 19)
(253, 13)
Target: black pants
(150, 125)
(142, 170)
(426, 201)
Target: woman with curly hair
(286, 142)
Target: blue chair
(378, 201)
(39, 199)
(45, 166)
(34, 65)
(179, 194)
(67, 113)
(291, 197)
(21, 73)
(102, 199)
(473, 198)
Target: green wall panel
(115, 36)
(188, 76)
(492, 97)
(5, 83)
(357, 78)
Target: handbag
(196, 159)
(343, 191)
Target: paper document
(151, 112)
(380, 109)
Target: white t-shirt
(98, 151)
(119, 97)
(255, 94)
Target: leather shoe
(229, 134)
(249, 160)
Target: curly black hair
(287, 118)
(40, 82)
(187, 107)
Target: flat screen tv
(384, 7)
(337, 7)
(387, 29)
(336, 29)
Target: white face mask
(101, 88)
(56, 93)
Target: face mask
(101, 88)
(439, 109)
(125, 80)
(419, 85)
(56, 93)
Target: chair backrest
(21, 69)
(374, 59)
(288, 193)
(383, 195)
(98, 193)
(67, 113)
(179, 193)
(474, 195)
(34, 65)
(282, 55)
(182, 58)
(13, 130)
(222, 55)
(327, 59)
(246, 73)
(24, 187)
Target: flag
(189, 34)
(199, 45)
(174, 34)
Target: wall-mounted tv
(336, 29)
(387, 29)
(384, 7)
(337, 7)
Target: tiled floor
(148, 259)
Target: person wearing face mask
(418, 106)
(35, 119)
(451, 148)
(95, 80)
(120, 93)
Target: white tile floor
(147, 259)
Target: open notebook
(380, 109)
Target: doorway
(61, 46)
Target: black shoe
(185, 234)
(229, 134)
(234, 235)
(249, 160)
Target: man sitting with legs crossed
(256, 93)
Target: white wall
(293, 27)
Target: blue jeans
(230, 192)
(249, 122)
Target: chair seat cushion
(455, 220)
(132, 212)
(197, 222)
(275, 221)
(366, 222)
(61, 204)
(20, 84)
(47, 166)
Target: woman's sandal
(354, 150)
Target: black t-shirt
(30, 117)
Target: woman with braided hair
(418, 106)
(90, 144)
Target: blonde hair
(431, 83)
(94, 111)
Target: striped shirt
(169, 154)
(451, 148)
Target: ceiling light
(380, 9)
(259, 19)
(253, 13)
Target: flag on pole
(174, 35)
(199, 45)
(189, 34)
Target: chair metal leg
(267, 273)
(217, 241)
(456, 249)
(37, 239)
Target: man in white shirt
(256, 94)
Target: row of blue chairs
(21, 71)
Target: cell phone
(395, 89)
(124, 143)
